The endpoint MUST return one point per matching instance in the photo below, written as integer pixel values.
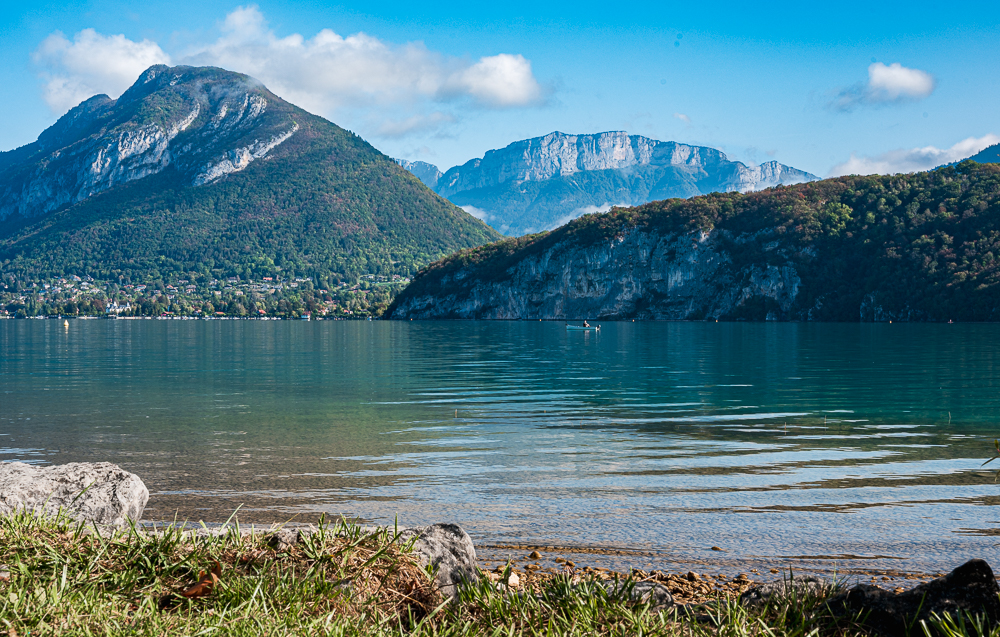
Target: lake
(826, 447)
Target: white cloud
(684, 118)
(912, 159)
(90, 64)
(895, 82)
(478, 213)
(329, 71)
(577, 212)
(589, 210)
(499, 81)
(892, 84)
(396, 89)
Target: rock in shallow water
(93, 492)
(448, 550)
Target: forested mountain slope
(201, 174)
(917, 247)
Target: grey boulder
(93, 492)
(448, 551)
(656, 595)
(798, 587)
(970, 588)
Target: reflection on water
(776, 442)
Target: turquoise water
(823, 446)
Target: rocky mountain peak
(203, 122)
(540, 183)
(425, 172)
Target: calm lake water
(821, 446)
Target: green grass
(342, 580)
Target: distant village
(232, 297)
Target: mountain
(201, 173)
(917, 247)
(988, 155)
(541, 183)
(427, 173)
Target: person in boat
(585, 323)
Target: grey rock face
(640, 274)
(205, 123)
(99, 492)
(429, 174)
(559, 154)
(970, 588)
(540, 183)
(448, 550)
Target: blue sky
(825, 87)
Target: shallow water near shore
(824, 447)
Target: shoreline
(534, 563)
(344, 578)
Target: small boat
(594, 328)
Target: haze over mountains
(541, 183)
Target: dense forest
(922, 246)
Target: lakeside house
(116, 308)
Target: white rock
(97, 492)
(448, 551)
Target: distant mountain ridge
(540, 183)
(988, 155)
(427, 173)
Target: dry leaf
(206, 582)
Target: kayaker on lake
(585, 323)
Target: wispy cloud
(415, 124)
(579, 212)
(684, 118)
(892, 84)
(478, 213)
(90, 64)
(908, 160)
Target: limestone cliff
(427, 173)
(204, 122)
(538, 184)
(638, 273)
(558, 155)
(917, 247)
